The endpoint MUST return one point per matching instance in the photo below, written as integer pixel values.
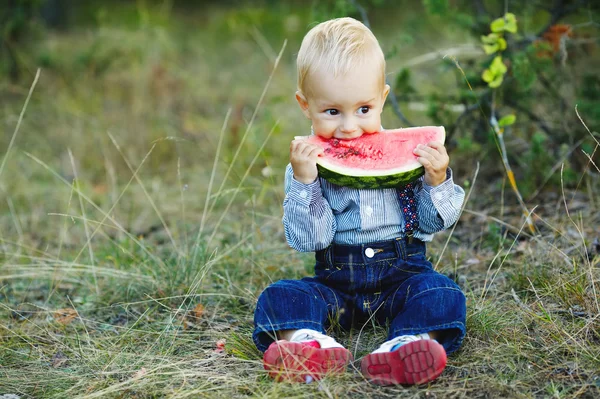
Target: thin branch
(543, 125)
(558, 12)
(392, 95)
(362, 12)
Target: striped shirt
(319, 213)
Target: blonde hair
(337, 45)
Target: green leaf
(511, 23)
(494, 75)
(508, 23)
(497, 25)
(501, 44)
(493, 43)
(490, 48)
(497, 66)
(507, 120)
(496, 82)
(492, 38)
(487, 76)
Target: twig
(462, 50)
(532, 116)
(509, 173)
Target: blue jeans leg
(429, 302)
(292, 305)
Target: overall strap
(408, 203)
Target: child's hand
(303, 157)
(435, 160)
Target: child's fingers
(307, 149)
(424, 150)
(438, 146)
(298, 146)
(427, 164)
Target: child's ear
(303, 103)
(386, 91)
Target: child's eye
(364, 110)
(332, 111)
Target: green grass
(101, 277)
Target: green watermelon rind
(371, 182)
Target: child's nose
(348, 125)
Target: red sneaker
(304, 361)
(415, 362)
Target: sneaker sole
(414, 363)
(292, 361)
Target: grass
(143, 196)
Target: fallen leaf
(198, 311)
(100, 189)
(140, 373)
(59, 360)
(65, 316)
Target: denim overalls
(388, 281)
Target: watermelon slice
(379, 160)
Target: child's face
(347, 106)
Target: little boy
(369, 249)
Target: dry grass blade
(210, 184)
(250, 124)
(85, 223)
(590, 157)
(237, 190)
(135, 175)
(486, 285)
(460, 213)
(585, 249)
(591, 160)
(113, 206)
(14, 136)
(106, 214)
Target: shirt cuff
(443, 192)
(304, 194)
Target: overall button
(369, 252)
